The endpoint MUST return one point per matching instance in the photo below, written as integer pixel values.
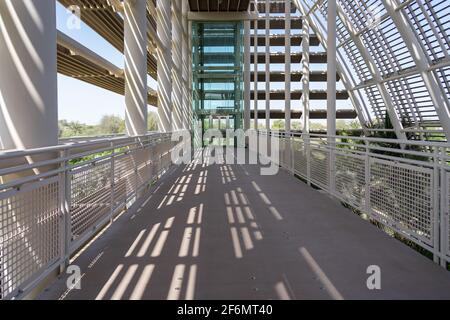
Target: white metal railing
(404, 185)
(53, 200)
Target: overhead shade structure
(219, 5)
(81, 68)
(103, 18)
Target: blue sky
(77, 100)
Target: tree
(152, 121)
(278, 125)
(296, 126)
(316, 126)
(110, 124)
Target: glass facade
(218, 53)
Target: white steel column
(190, 79)
(267, 60)
(164, 21)
(247, 73)
(331, 86)
(177, 65)
(185, 60)
(306, 73)
(135, 29)
(28, 83)
(287, 67)
(331, 68)
(255, 79)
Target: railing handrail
(8, 154)
(368, 139)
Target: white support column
(135, 29)
(331, 68)
(28, 83)
(287, 85)
(177, 65)
(331, 87)
(164, 21)
(255, 80)
(267, 60)
(287, 67)
(306, 73)
(190, 79)
(185, 66)
(247, 73)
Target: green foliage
(296, 125)
(109, 125)
(152, 121)
(316, 126)
(278, 125)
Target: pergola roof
(219, 5)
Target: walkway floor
(226, 232)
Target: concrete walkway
(226, 232)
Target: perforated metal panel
(124, 179)
(143, 165)
(320, 167)
(29, 233)
(401, 196)
(300, 158)
(447, 215)
(283, 144)
(90, 196)
(350, 178)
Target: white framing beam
(440, 102)
(306, 73)
(267, 61)
(287, 67)
(376, 75)
(247, 73)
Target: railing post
(112, 186)
(137, 156)
(64, 206)
(444, 216)
(332, 166)
(436, 206)
(291, 139)
(307, 144)
(367, 176)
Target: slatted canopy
(104, 19)
(219, 5)
(81, 68)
